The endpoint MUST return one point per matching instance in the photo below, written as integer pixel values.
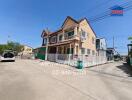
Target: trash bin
(80, 64)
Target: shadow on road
(126, 68)
(7, 61)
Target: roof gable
(89, 25)
(69, 22)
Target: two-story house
(75, 37)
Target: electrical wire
(97, 6)
(127, 6)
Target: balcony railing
(64, 38)
(69, 37)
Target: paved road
(119, 69)
(35, 80)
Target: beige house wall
(88, 42)
(83, 25)
(27, 50)
(69, 23)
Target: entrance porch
(62, 52)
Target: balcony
(70, 35)
(62, 37)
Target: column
(63, 35)
(75, 50)
(69, 54)
(56, 56)
(46, 54)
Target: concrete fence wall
(73, 59)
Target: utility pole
(8, 38)
(113, 46)
(47, 43)
(113, 42)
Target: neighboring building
(129, 49)
(27, 50)
(39, 53)
(110, 54)
(74, 37)
(129, 60)
(101, 47)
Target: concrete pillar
(69, 54)
(63, 35)
(56, 55)
(46, 54)
(75, 49)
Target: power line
(127, 6)
(100, 17)
(97, 6)
(107, 15)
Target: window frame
(45, 41)
(84, 35)
(88, 51)
(59, 37)
(53, 37)
(93, 52)
(66, 35)
(83, 52)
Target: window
(83, 34)
(83, 50)
(45, 41)
(53, 39)
(93, 52)
(59, 50)
(93, 40)
(70, 33)
(60, 37)
(88, 51)
(28, 49)
(98, 44)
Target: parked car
(8, 55)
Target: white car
(7, 56)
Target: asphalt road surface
(35, 80)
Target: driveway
(36, 80)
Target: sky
(24, 20)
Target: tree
(130, 38)
(15, 46)
(2, 48)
